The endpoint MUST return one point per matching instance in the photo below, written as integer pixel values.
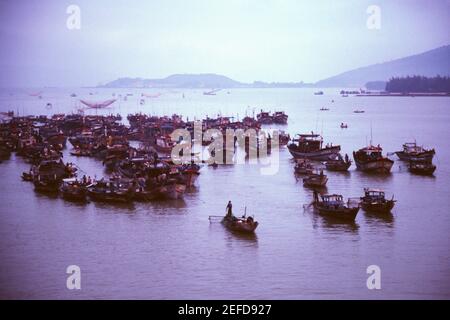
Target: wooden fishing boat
(279, 117)
(425, 168)
(333, 206)
(310, 146)
(374, 201)
(172, 190)
(338, 164)
(315, 180)
(303, 166)
(264, 117)
(411, 151)
(370, 159)
(164, 144)
(111, 191)
(46, 183)
(73, 190)
(244, 224)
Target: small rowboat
(243, 224)
(315, 180)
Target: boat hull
(422, 156)
(344, 214)
(325, 154)
(239, 225)
(338, 165)
(382, 166)
(383, 207)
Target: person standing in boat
(346, 158)
(229, 209)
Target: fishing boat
(333, 206)
(411, 151)
(315, 180)
(243, 224)
(280, 117)
(419, 167)
(46, 183)
(264, 117)
(370, 159)
(318, 93)
(310, 146)
(73, 190)
(324, 109)
(172, 189)
(358, 111)
(339, 164)
(344, 126)
(164, 144)
(374, 201)
(303, 166)
(111, 191)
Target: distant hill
(206, 80)
(429, 64)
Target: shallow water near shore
(170, 250)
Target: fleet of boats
(147, 173)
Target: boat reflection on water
(332, 224)
(376, 219)
(161, 205)
(118, 207)
(249, 239)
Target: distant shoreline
(412, 94)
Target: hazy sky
(247, 40)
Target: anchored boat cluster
(141, 173)
(147, 172)
(311, 157)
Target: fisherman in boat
(229, 209)
(346, 158)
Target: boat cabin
(309, 142)
(332, 199)
(374, 193)
(412, 147)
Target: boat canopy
(332, 198)
(374, 192)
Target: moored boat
(310, 146)
(303, 166)
(73, 190)
(111, 191)
(315, 180)
(425, 168)
(339, 164)
(333, 206)
(280, 117)
(370, 159)
(374, 201)
(411, 151)
(264, 117)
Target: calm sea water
(169, 250)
